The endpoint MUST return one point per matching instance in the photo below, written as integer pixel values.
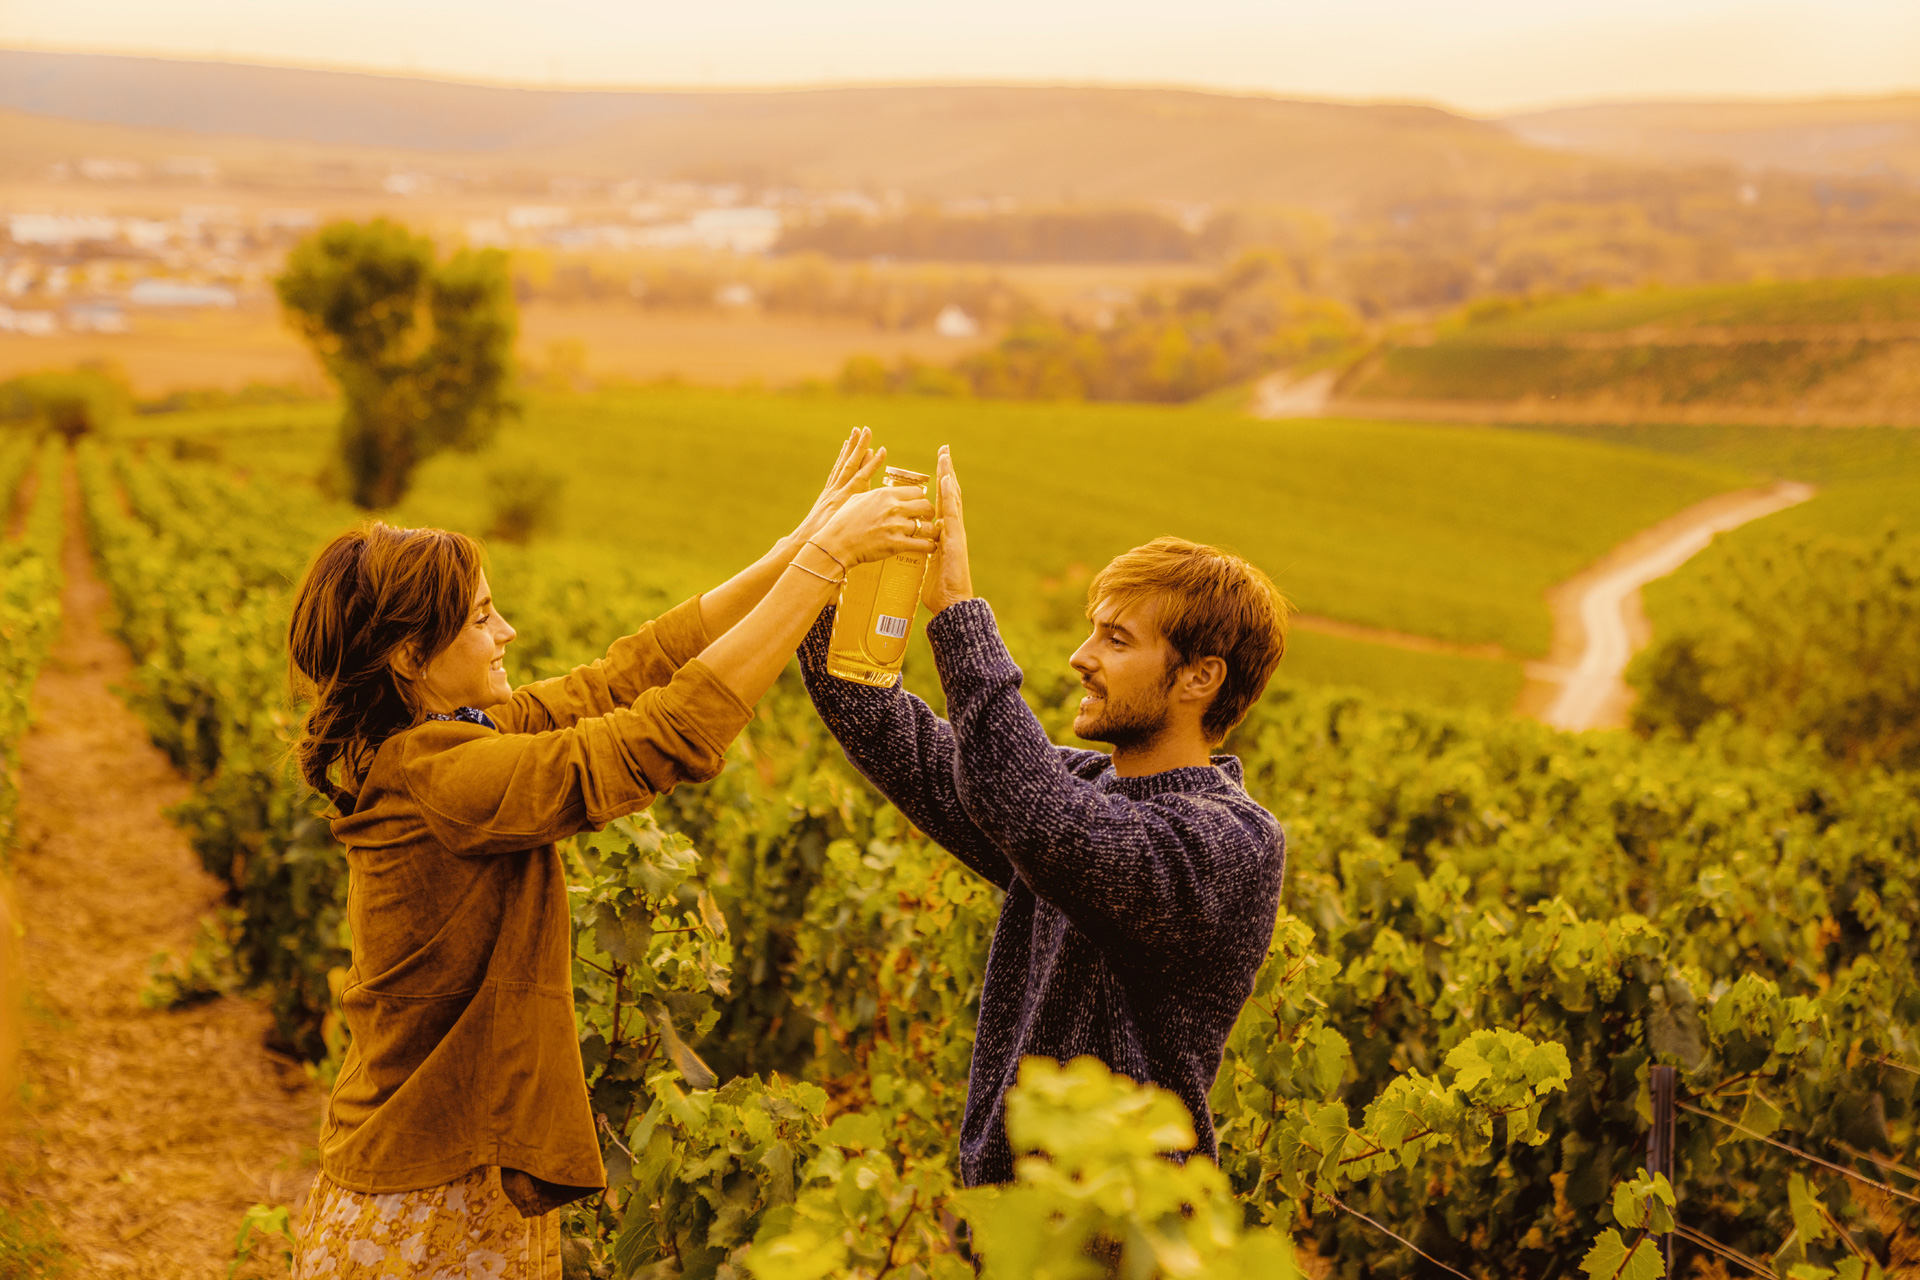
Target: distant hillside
(1840, 351)
(1843, 136)
(1397, 210)
(1040, 144)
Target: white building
(952, 322)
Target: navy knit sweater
(1138, 910)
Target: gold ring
(916, 526)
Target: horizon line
(474, 81)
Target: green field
(1868, 476)
(1449, 532)
(1869, 480)
(1795, 350)
(1867, 300)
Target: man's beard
(1126, 725)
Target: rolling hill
(936, 142)
(1855, 137)
(1842, 351)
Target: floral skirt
(466, 1229)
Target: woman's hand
(949, 578)
(855, 453)
(877, 523)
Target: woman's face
(470, 672)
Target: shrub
(1814, 637)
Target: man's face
(1127, 668)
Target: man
(1141, 887)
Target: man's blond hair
(1212, 604)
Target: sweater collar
(1200, 777)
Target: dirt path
(1597, 618)
(144, 1135)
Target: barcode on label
(889, 626)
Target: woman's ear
(404, 664)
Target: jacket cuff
(712, 711)
(680, 632)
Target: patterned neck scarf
(467, 715)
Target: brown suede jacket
(460, 998)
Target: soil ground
(141, 1137)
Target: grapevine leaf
(697, 1074)
(1609, 1259)
(859, 1130)
(1628, 1209)
(1809, 1218)
(1608, 1255)
(1758, 1115)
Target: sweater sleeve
(488, 792)
(906, 751)
(644, 660)
(1140, 876)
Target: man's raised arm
(904, 749)
(1129, 873)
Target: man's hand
(854, 455)
(949, 579)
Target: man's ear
(1201, 679)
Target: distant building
(33, 324)
(752, 229)
(60, 228)
(147, 233)
(534, 217)
(109, 169)
(201, 167)
(952, 322)
(178, 293)
(96, 317)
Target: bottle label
(889, 626)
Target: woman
(460, 1123)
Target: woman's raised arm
(733, 599)
(861, 525)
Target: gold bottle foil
(876, 611)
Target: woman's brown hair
(370, 594)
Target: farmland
(1490, 919)
(1838, 351)
(1441, 532)
(1497, 942)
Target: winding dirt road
(1597, 619)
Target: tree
(71, 403)
(422, 351)
(1809, 636)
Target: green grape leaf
(697, 1074)
(1809, 1218)
(1628, 1209)
(858, 1130)
(1758, 1115)
(1609, 1259)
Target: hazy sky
(1485, 55)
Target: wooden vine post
(1660, 1083)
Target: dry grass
(228, 349)
(143, 1136)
